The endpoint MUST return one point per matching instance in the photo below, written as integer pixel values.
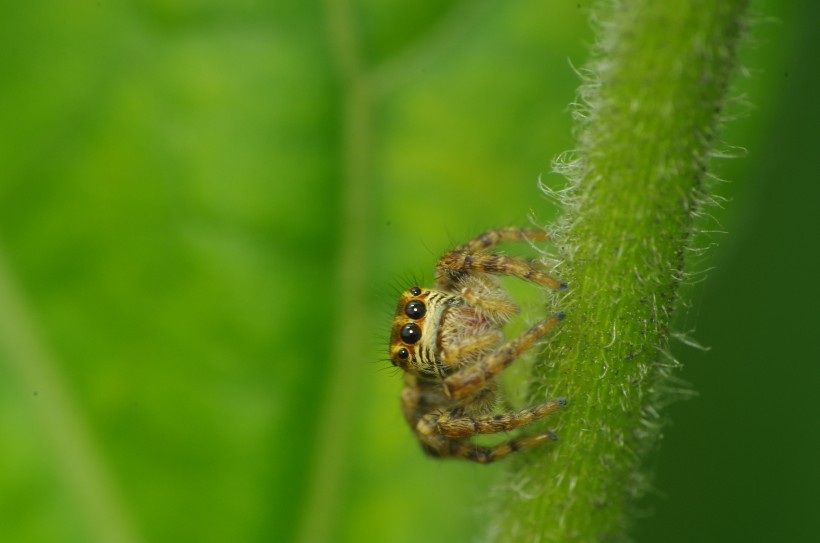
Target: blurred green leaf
(171, 223)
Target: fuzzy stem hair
(650, 109)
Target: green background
(195, 293)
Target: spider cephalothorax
(449, 342)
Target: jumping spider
(449, 343)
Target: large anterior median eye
(415, 309)
(410, 332)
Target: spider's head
(414, 341)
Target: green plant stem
(652, 104)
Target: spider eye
(410, 333)
(415, 309)
(403, 353)
(415, 291)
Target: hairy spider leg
(442, 446)
(491, 238)
(455, 424)
(490, 303)
(471, 343)
(466, 381)
(455, 265)
(472, 256)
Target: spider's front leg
(467, 381)
(455, 265)
(455, 424)
(454, 352)
(491, 238)
(470, 257)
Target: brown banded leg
(454, 265)
(490, 303)
(487, 240)
(485, 455)
(491, 238)
(453, 424)
(465, 382)
(453, 352)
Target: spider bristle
(391, 368)
(399, 284)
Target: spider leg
(468, 380)
(455, 265)
(468, 344)
(420, 397)
(490, 238)
(459, 448)
(454, 424)
(472, 256)
(489, 303)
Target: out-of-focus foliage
(172, 222)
